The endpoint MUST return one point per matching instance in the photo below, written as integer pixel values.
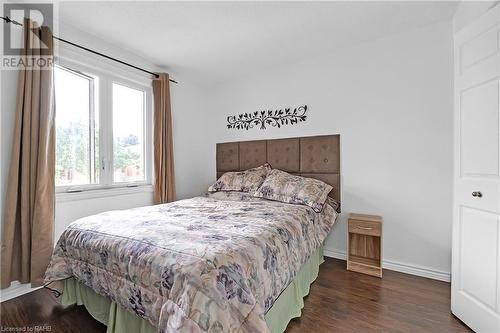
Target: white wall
(391, 101)
(8, 84)
(193, 140)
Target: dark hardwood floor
(339, 301)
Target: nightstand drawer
(365, 227)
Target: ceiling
(217, 41)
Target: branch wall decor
(276, 118)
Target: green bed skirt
(118, 320)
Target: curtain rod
(8, 20)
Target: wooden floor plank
(339, 301)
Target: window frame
(108, 74)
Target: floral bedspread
(207, 264)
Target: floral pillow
(284, 187)
(241, 181)
(334, 203)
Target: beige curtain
(164, 187)
(27, 237)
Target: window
(76, 139)
(102, 129)
(128, 134)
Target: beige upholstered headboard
(314, 156)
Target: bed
(222, 262)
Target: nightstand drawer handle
(364, 228)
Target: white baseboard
(16, 289)
(398, 267)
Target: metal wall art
(276, 118)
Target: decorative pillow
(334, 203)
(241, 181)
(284, 187)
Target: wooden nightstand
(364, 244)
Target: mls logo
(39, 13)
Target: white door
(475, 290)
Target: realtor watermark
(20, 62)
(28, 328)
(23, 47)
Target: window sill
(102, 193)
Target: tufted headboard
(313, 156)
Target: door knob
(477, 194)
